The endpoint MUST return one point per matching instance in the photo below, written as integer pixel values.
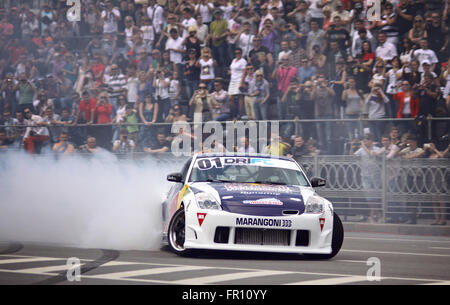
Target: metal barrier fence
(395, 188)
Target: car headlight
(207, 201)
(314, 205)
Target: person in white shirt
(156, 14)
(148, 33)
(187, 21)
(110, 17)
(244, 39)
(36, 131)
(205, 9)
(175, 45)
(237, 69)
(385, 50)
(375, 102)
(425, 54)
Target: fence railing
(394, 187)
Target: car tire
(176, 233)
(336, 241)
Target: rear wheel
(177, 233)
(336, 241)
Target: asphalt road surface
(364, 259)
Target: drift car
(249, 203)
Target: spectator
(236, 72)
(63, 147)
(245, 147)
(354, 101)
(102, 113)
(244, 39)
(412, 151)
(90, 147)
(375, 102)
(408, 105)
(259, 91)
(207, 67)
(124, 147)
(437, 36)
(385, 51)
(110, 17)
(298, 150)
(160, 146)
(5, 143)
(283, 74)
(36, 134)
(425, 54)
(218, 34)
(131, 120)
(223, 102)
(26, 92)
(161, 86)
(52, 119)
(370, 173)
(191, 73)
(324, 110)
(203, 104)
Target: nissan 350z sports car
(249, 203)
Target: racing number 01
(205, 164)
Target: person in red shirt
(408, 106)
(103, 112)
(86, 109)
(85, 113)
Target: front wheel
(177, 233)
(336, 241)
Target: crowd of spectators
(105, 81)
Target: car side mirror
(175, 177)
(318, 182)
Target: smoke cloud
(89, 203)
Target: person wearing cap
(343, 14)
(192, 42)
(259, 89)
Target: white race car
(249, 203)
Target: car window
(215, 170)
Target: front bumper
(305, 233)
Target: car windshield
(247, 170)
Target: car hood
(256, 199)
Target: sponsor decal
(201, 217)
(251, 188)
(264, 201)
(263, 222)
(322, 223)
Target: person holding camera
(260, 90)
(26, 92)
(123, 146)
(8, 94)
(375, 102)
(323, 96)
(161, 86)
(203, 104)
